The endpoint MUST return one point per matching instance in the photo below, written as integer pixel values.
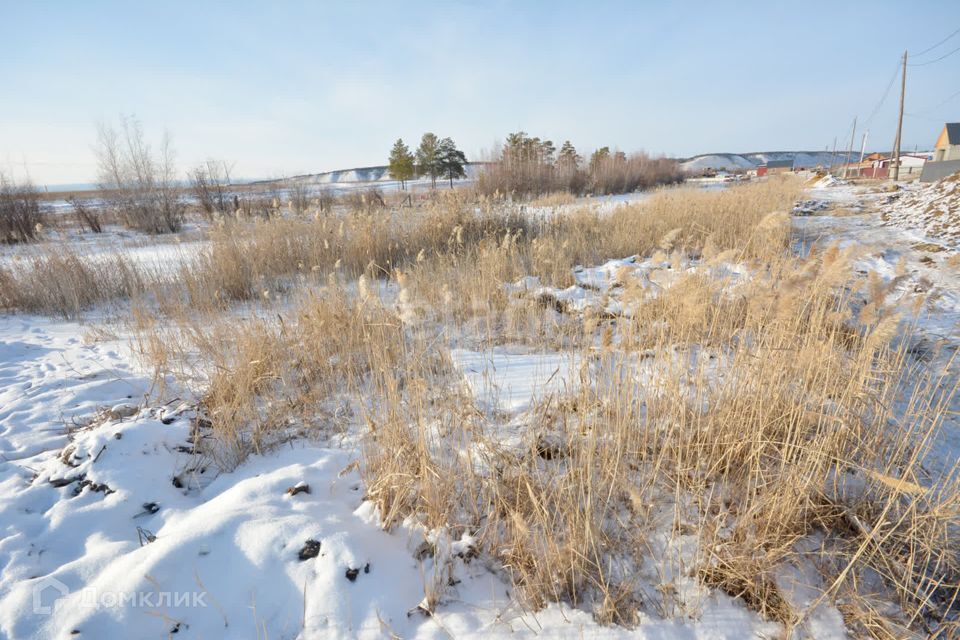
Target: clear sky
(281, 88)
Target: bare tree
(210, 182)
(138, 184)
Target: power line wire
(916, 55)
(886, 92)
(922, 64)
(922, 117)
(940, 104)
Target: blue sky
(285, 87)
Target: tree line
(529, 165)
(434, 158)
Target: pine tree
(427, 157)
(401, 163)
(513, 151)
(545, 151)
(598, 157)
(520, 148)
(450, 160)
(568, 159)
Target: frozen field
(118, 517)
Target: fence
(933, 171)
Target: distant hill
(364, 174)
(729, 161)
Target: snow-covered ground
(150, 252)
(333, 183)
(113, 524)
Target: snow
(500, 380)
(156, 254)
(51, 377)
(234, 546)
(600, 288)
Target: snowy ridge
(366, 174)
(730, 161)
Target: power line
(945, 101)
(922, 117)
(886, 92)
(946, 55)
(939, 104)
(936, 45)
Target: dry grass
(723, 433)
(793, 437)
(61, 281)
(245, 259)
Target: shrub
(298, 197)
(209, 182)
(366, 200)
(21, 214)
(87, 216)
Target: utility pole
(896, 141)
(863, 149)
(853, 134)
(833, 154)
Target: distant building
(911, 164)
(860, 169)
(948, 144)
(772, 167)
